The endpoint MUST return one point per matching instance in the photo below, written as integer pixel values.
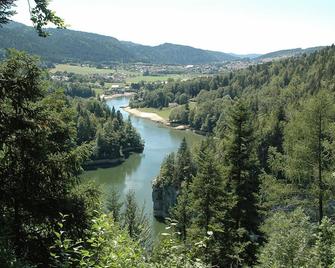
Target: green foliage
(79, 90)
(39, 160)
(309, 146)
(171, 253)
(167, 173)
(135, 221)
(222, 197)
(270, 88)
(104, 245)
(185, 168)
(324, 254)
(176, 173)
(181, 213)
(112, 138)
(107, 245)
(210, 208)
(289, 241)
(242, 174)
(180, 115)
(114, 204)
(6, 11)
(40, 14)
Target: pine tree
(113, 204)
(184, 163)
(167, 174)
(211, 208)
(309, 145)
(39, 160)
(242, 178)
(181, 213)
(135, 220)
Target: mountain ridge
(66, 46)
(69, 45)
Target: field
(150, 78)
(98, 91)
(83, 70)
(131, 76)
(164, 112)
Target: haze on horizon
(239, 26)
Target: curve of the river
(138, 171)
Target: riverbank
(151, 116)
(117, 95)
(138, 171)
(155, 118)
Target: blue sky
(239, 26)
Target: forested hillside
(287, 53)
(257, 191)
(288, 80)
(262, 186)
(75, 46)
(49, 215)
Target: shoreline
(154, 118)
(151, 116)
(116, 95)
(146, 115)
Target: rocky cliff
(164, 197)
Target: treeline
(112, 137)
(267, 86)
(217, 203)
(159, 95)
(48, 216)
(39, 166)
(79, 90)
(262, 190)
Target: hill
(287, 53)
(76, 46)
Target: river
(138, 171)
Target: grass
(164, 112)
(155, 78)
(132, 77)
(80, 69)
(192, 105)
(98, 91)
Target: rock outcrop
(164, 197)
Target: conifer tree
(309, 145)
(241, 168)
(113, 204)
(39, 159)
(184, 164)
(135, 220)
(181, 213)
(211, 208)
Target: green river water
(138, 171)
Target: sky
(232, 26)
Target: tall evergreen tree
(211, 208)
(181, 212)
(309, 146)
(39, 159)
(241, 168)
(184, 164)
(135, 220)
(113, 204)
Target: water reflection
(138, 171)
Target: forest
(257, 192)
(261, 187)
